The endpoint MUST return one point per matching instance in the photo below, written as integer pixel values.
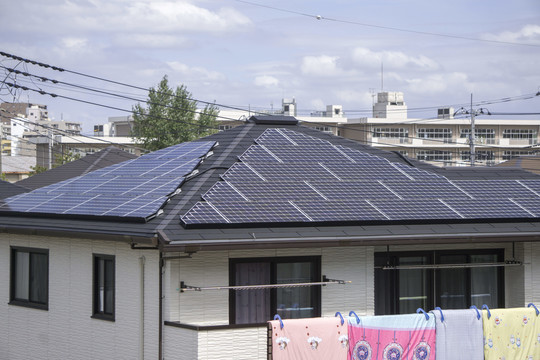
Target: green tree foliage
(170, 117)
(37, 170)
(64, 158)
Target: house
(16, 168)
(186, 252)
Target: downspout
(142, 260)
(160, 336)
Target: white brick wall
(66, 330)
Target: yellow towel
(511, 334)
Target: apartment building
(445, 139)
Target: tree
(171, 117)
(64, 158)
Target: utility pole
(472, 135)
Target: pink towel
(315, 338)
(397, 337)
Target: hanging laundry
(394, 337)
(511, 334)
(315, 338)
(459, 335)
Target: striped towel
(459, 336)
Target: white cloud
(392, 59)
(528, 33)
(266, 81)
(322, 65)
(196, 72)
(438, 83)
(74, 42)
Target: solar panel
(290, 172)
(357, 190)
(241, 172)
(411, 189)
(339, 211)
(308, 153)
(531, 205)
(363, 171)
(480, 189)
(202, 213)
(257, 154)
(270, 191)
(415, 209)
(133, 189)
(418, 174)
(488, 208)
(256, 212)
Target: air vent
(274, 120)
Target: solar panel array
(290, 177)
(136, 188)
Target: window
(445, 134)
(508, 155)
(401, 291)
(519, 134)
(257, 306)
(104, 278)
(323, 128)
(390, 132)
(434, 155)
(30, 277)
(225, 127)
(481, 155)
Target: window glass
(22, 275)
(452, 283)
(294, 302)
(30, 277)
(104, 286)
(413, 285)
(259, 305)
(252, 306)
(484, 289)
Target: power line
(319, 17)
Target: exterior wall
(211, 307)
(66, 330)
(532, 273)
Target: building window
(402, 291)
(519, 134)
(445, 134)
(390, 133)
(225, 127)
(480, 155)
(325, 129)
(257, 306)
(434, 155)
(30, 277)
(104, 286)
(509, 155)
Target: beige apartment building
(443, 140)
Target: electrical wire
(349, 22)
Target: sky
(252, 54)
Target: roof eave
(90, 234)
(342, 241)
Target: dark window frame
(391, 284)
(96, 313)
(273, 261)
(12, 291)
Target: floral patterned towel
(395, 337)
(511, 334)
(314, 338)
